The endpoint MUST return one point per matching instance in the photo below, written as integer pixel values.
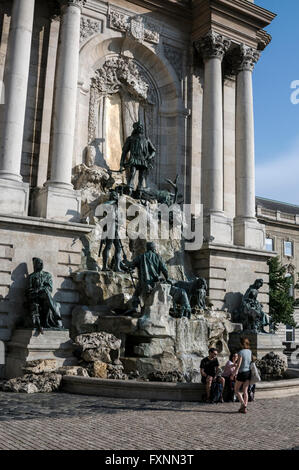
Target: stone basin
(170, 391)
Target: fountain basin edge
(191, 392)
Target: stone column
(247, 231)
(58, 200)
(14, 193)
(216, 227)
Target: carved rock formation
(272, 367)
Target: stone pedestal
(219, 229)
(14, 197)
(51, 202)
(229, 270)
(27, 345)
(261, 344)
(249, 233)
(158, 343)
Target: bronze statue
(113, 239)
(150, 266)
(142, 153)
(44, 311)
(196, 291)
(251, 312)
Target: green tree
(281, 303)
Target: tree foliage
(281, 303)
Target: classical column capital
(245, 58)
(212, 45)
(76, 3)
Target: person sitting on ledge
(209, 367)
(229, 375)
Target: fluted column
(57, 199)
(247, 231)
(213, 47)
(65, 100)
(14, 193)
(218, 228)
(245, 158)
(16, 83)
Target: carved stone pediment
(139, 28)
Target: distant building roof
(277, 205)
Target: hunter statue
(142, 153)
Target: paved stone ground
(63, 421)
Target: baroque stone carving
(118, 73)
(89, 28)
(175, 57)
(245, 58)
(137, 27)
(213, 45)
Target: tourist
(209, 367)
(243, 374)
(229, 375)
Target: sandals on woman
(243, 409)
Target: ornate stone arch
(109, 65)
(122, 75)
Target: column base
(51, 202)
(249, 233)
(14, 197)
(218, 229)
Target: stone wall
(283, 226)
(59, 247)
(230, 272)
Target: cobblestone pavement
(64, 421)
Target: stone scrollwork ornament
(118, 73)
(135, 27)
(88, 28)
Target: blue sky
(276, 118)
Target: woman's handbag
(255, 376)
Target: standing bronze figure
(142, 153)
(113, 238)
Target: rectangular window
(269, 244)
(290, 334)
(288, 248)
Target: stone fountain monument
(165, 324)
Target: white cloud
(278, 178)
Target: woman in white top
(243, 374)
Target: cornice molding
(174, 8)
(239, 20)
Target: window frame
(284, 248)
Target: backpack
(251, 392)
(216, 391)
